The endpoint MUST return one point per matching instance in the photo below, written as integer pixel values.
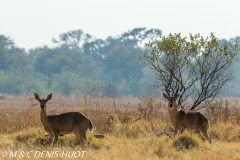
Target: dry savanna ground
(133, 128)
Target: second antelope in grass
(65, 123)
(191, 120)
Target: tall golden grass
(133, 128)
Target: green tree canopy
(198, 67)
(50, 61)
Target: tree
(124, 62)
(73, 40)
(123, 66)
(197, 67)
(133, 38)
(50, 61)
(6, 42)
(10, 55)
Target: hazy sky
(33, 23)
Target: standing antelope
(191, 120)
(65, 123)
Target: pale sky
(33, 23)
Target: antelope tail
(90, 127)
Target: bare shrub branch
(196, 67)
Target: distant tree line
(78, 61)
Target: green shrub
(185, 142)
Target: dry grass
(133, 129)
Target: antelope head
(43, 101)
(172, 101)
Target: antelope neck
(43, 116)
(173, 113)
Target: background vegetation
(77, 60)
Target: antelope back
(195, 119)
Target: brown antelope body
(65, 123)
(190, 120)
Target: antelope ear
(49, 97)
(177, 95)
(37, 97)
(165, 96)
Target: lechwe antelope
(190, 120)
(65, 123)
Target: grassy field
(133, 128)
